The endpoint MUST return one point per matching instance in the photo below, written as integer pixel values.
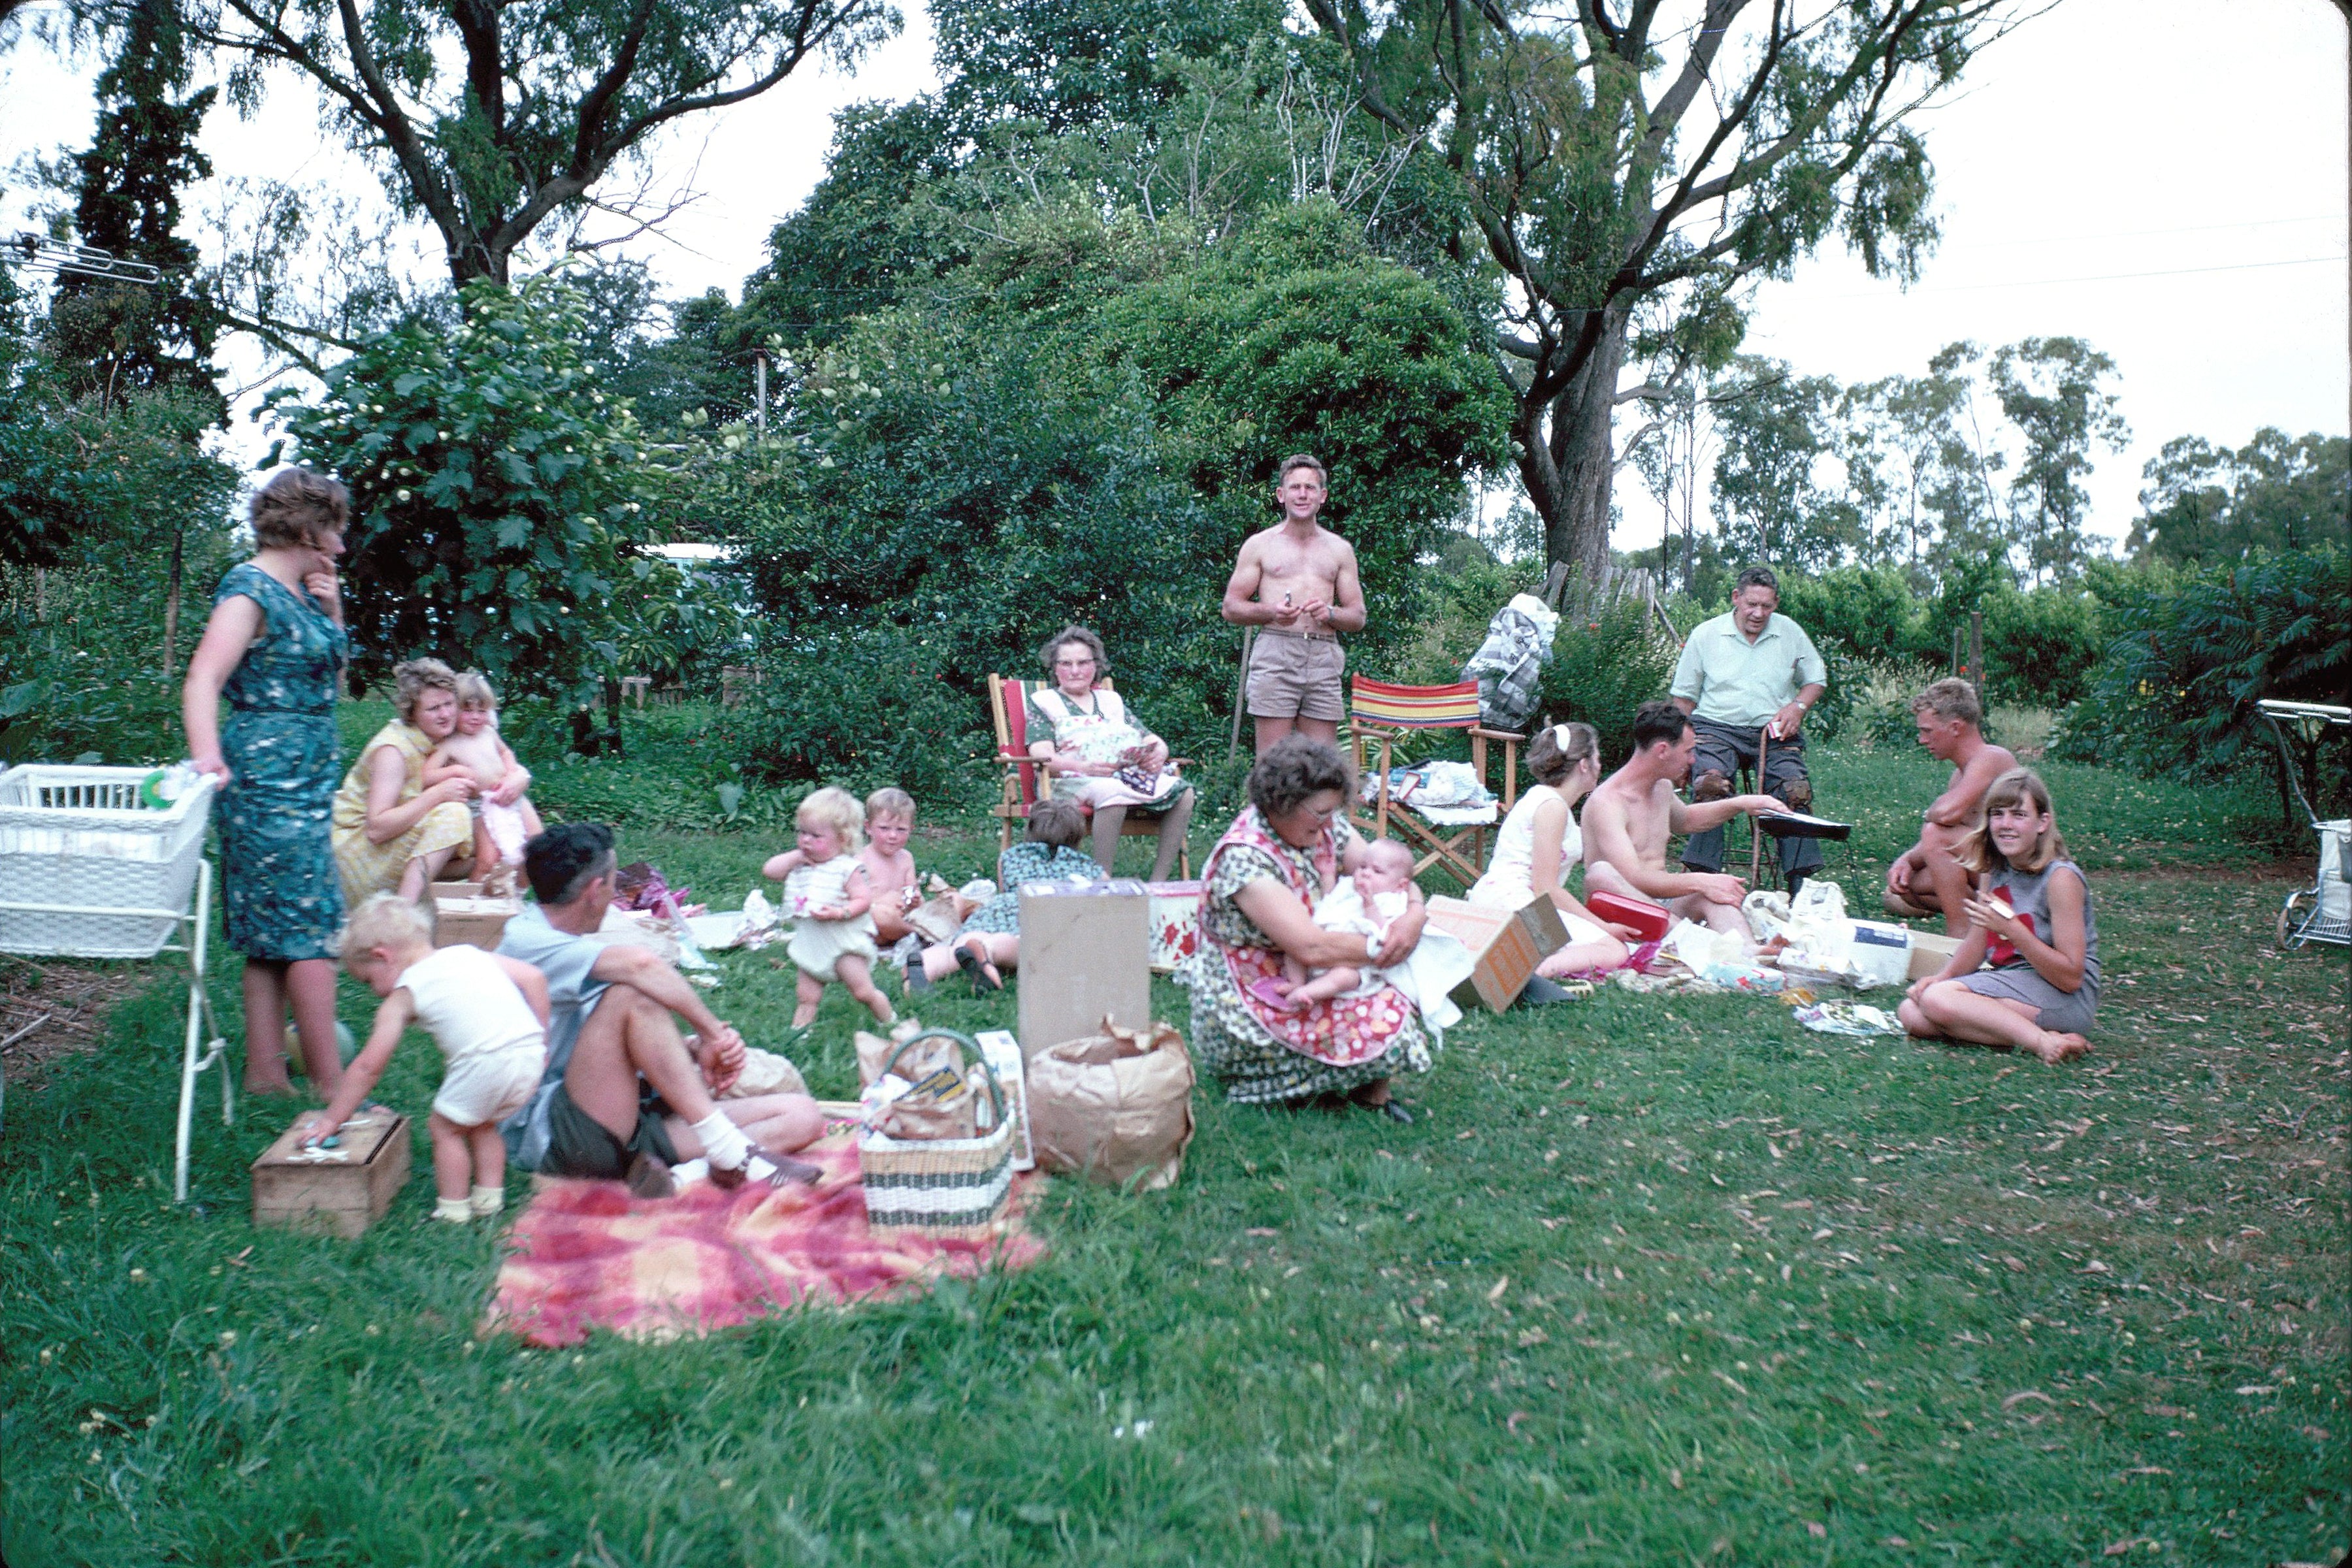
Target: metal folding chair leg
(200, 1023)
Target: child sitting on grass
(828, 898)
(2032, 919)
(489, 1014)
(991, 936)
(890, 868)
(476, 751)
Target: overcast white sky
(2163, 178)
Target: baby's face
(818, 841)
(1382, 874)
(473, 720)
(887, 834)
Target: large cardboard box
(1085, 954)
(1505, 944)
(1175, 923)
(1929, 952)
(342, 1190)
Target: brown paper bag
(874, 1054)
(1115, 1106)
(935, 919)
(957, 1118)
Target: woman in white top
(1539, 841)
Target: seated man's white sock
(722, 1141)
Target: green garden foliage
(113, 522)
(2205, 503)
(2174, 695)
(496, 496)
(1606, 662)
(1089, 437)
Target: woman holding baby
(1261, 885)
(394, 832)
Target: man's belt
(1302, 636)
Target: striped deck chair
(1024, 775)
(1379, 712)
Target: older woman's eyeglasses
(1080, 663)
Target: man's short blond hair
(386, 920)
(1950, 697)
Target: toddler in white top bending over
(476, 751)
(489, 1014)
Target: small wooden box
(1507, 945)
(478, 920)
(339, 1190)
(1930, 953)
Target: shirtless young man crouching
(1928, 878)
(1632, 813)
(1296, 584)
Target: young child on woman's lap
(476, 751)
(829, 897)
(1372, 896)
(489, 1014)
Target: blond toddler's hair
(890, 802)
(474, 691)
(837, 809)
(386, 920)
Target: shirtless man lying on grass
(1633, 811)
(1928, 879)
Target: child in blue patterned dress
(829, 901)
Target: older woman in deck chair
(1098, 754)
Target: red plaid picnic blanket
(586, 1254)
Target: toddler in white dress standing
(830, 900)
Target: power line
(2101, 278)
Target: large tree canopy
(490, 119)
(1623, 158)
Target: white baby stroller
(2322, 912)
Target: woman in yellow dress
(390, 831)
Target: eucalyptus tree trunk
(1567, 456)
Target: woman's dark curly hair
(1294, 768)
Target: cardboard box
(1505, 944)
(1930, 953)
(1881, 952)
(340, 1191)
(1175, 923)
(1085, 954)
(472, 919)
(1005, 1060)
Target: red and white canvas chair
(1380, 713)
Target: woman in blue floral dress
(275, 647)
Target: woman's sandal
(984, 977)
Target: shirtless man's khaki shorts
(1295, 677)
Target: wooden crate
(339, 1190)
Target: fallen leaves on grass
(2023, 1395)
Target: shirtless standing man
(1928, 879)
(1630, 814)
(1296, 584)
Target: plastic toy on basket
(939, 1187)
(87, 868)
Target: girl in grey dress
(2033, 921)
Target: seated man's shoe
(648, 1178)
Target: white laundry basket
(87, 871)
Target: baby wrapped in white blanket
(1366, 903)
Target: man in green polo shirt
(1740, 673)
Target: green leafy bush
(2174, 694)
(2039, 646)
(1605, 663)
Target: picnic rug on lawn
(586, 1254)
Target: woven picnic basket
(941, 1188)
(89, 870)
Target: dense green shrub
(2174, 694)
(2039, 646)
(1605, 663)
(1868, 612)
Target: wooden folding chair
(1379, 710)
(1025, 780)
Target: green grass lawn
(1652, 1280)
